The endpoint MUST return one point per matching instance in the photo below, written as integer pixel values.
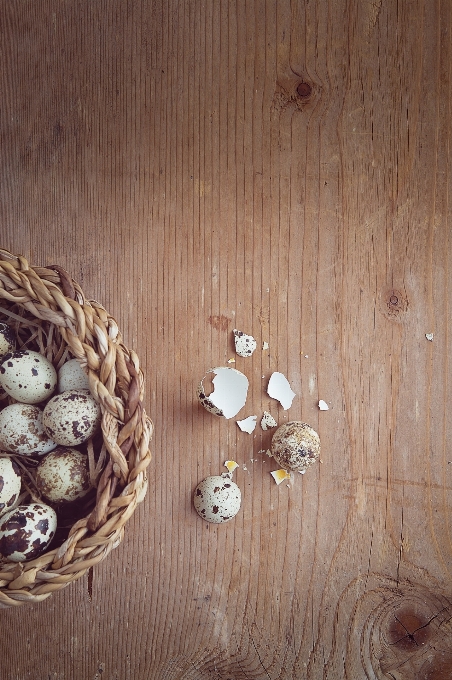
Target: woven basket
(49, 313)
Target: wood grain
(282, 168)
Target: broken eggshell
(248, 424)
(229, 395)
(267, 421)
(217, 499)
(280, 389)
(244, 344)
(295, 446)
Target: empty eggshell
(244, 344)
(22, 430)
(27, 376)
(7, 339)
(71, 376)
(267, 421)
(10, 483)
(295, 446)
(280, 389)
(248, 424)
(217, 499)
(26, 532)
(229, 395)
(72, 417)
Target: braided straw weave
(50, 314)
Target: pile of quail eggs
(48, 418)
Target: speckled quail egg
(63, 475)
(27, 376)
(26, 532)
(7, 339)
(72, 417)
(10, 482)
(71, 376)
(217, 499)
(295, 446)
(22, 431)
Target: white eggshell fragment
(229, 395)
(323, 406)
(217, 499)
(27, 376)
(7, 339)
(72, 417)
(10, 483)
(22, 430)
(248, 424)
(279, 388)
(295, 446)
(26, 532)
(244, 344)
(267, 421)
(71, 376)
(63, 475)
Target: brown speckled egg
(7, 339)
(26, 532)
(22, 431)
(63, 475)
(10, 482)
(217, 498)
(72, 417)
(27, 376)
(295, 446)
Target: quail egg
(22, 431)
(63, 475)
(217, 498)
(10, 482)
(295, 446)
(72, 417)
(71, 376)
(27, 376)
(26, 532)
(7, 339)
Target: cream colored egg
(71, 376)
(295, 446)
(63, 475)
(72, 417)
(10, 483)
(22, 430)
(217, 499)
(26, 532)
(27, 376)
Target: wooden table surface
(280, 167)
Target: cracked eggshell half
(217, 499)
(230, 392)
(295, 446)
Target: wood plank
(165, 154)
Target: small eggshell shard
(279, 388)
(248, 424)
(244, 344)
(26, 531)
(267, 421)
(10, 483)
(295, 446)
(71, 376)
(280, 475)
(265, 345)
(323, 406)
(22, 430)
(229, 395)
(429, 336)
(217, 499)
(27, 376)
(72, 417)
(231, 465)
(63, 475)
(7, 339)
